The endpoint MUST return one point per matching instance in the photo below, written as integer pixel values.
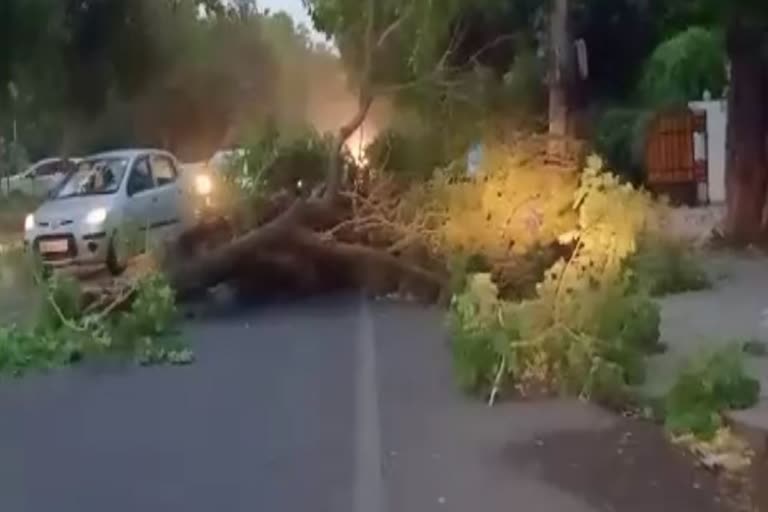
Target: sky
(292, 7)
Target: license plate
(54, 246)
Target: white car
(41, 177)
(111, 206)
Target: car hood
(72, 209)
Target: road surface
(329, 405)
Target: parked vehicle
(41, 177)
(112, 205)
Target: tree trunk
(560, 81)
(746, 173)
(560, 69)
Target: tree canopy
(181, 74)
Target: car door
(141, 207)
(168, 191)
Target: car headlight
(29, 222)
(97, 216)
(203, 184)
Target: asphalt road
(336, 405)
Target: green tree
(388, 46)
(498, 37)
(92, 74)
(745, 25)
(684, 66)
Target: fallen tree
(376, 233)
(323, 239)
(386, 235)
(332, 239)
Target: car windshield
(93, 177)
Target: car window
(48, 169)
(93, 177)
(141, 177)
(67, 166)
(163, 170)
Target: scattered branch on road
(134, 319)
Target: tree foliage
(587, 329)
(516, 203)
(682, 68)
(273, 162)
(706, 388)
(423, 29)
(187, 75)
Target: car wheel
(116, 263)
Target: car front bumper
(84, 246)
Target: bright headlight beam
(203, 184)
(29, 222)
(97, 216)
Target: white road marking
(369, 481)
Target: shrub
(620, 137)
(705, 389)
(663, 266)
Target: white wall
(717, 117)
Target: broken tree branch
(367, 259)
(392, 28)
(490, 45)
